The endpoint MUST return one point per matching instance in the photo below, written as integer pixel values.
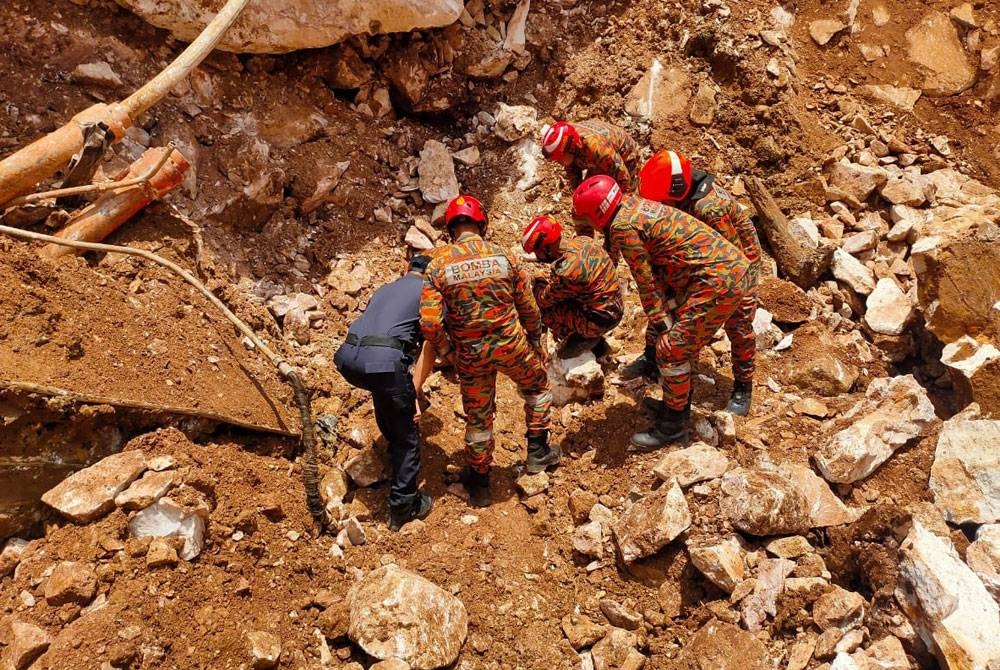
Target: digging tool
(164, 170)
(310, 471)
(24, 170)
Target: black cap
(419, 263)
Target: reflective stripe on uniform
(538, 400)
(478, 436)
(675, 370)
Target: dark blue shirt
(393, 311)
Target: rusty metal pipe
(22, 171)
(106, 214)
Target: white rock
(900, 96)
(367, 468)
(760, 502)
(25, 643)
(763, 601)
(983, 556)
(691, 465)
(934, 47)
(823, 30)
(527, 157)
(531, 485)
(575, 379)
(723, 563)
(417, 240)
(807, 229)
(515, 122)
(145, 491)
(893, 412)
(13, 551)
(889, 310)
(859, 242)
(167, 518)
(660, 96)
(265, 649)
(436, 172)
(852, 272)
(278, 26)
(948, 606)
(965, 475)
(858, 181)
(975, 364)
(651, 523)
(467, 156)
(588, 539)
(904, 190)
(823, 507)
(90, 493)
(395, 613)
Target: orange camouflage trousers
(704, 310)
(478, 363)
(739, 329)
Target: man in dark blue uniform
(380, 355)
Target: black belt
(377, 341)
(609, 316)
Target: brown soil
(120, 329)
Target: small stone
(839, 608)
(580, 504)
(367, 468)
(515, 122)
(760, 502)
(391, 664)
(531, 485)
(265, 649)
(889, 311)
(703, 105)
(417, 240)
(852, 272)
(145, 491)
(25, 643)
(616, 651)
(722, 563)
(581, 631)
(96, 74)
(619, 615)
(168, 518)
(983, 556)
(355, 532)
(334, 486)
(811, 407)
(71, 582)
(467, 156)
(90, 493)
(161, 554)
(588, 539)
(823, 30)
(789, 547)
(161, 463)
(13, 552)
(857, 181)
(691, 465)
(436, 172)
(756, 607)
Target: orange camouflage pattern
(581, 294)
(673, 256)
(477, 301)
(606, 149)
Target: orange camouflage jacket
(720, 211)
(663, 244)
(475, 289)
(607, 150)
(584, 275)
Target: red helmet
(543, 231)
(468, 207)
(665, 177)
(596, 200)
(557, 138)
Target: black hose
(310, 471)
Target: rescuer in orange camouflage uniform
(580, 300)
(669, 251)
(477, 308)
(668, 177)
(595, 146)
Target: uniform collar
(465, 236)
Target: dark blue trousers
(395, 401)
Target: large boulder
(760, 502)
(948, 606)
(933, 46)
(651, 523)
(983, 556)
(965, 476)
(279, 26)
(395, 613)
(90, 493)
(894, 411)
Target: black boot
(418, 509)
(670, 426)
(601, 349)
(540, 454)
(739, 402)
(478, 486)
(643, 366)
